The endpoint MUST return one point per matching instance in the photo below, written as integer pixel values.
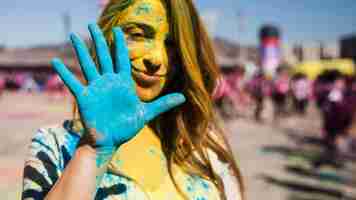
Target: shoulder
(54, 141)
(52, 133)
(56, 135)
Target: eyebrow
(148, 29)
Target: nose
(154, 60)
(151, 66)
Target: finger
(86, 62)
(162, 105)
(102, 49)
(121, 53)
(67, 77)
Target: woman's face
(146, 27)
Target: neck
(145, 148)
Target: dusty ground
(20, 116)
(261, 151)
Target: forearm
(83, 173)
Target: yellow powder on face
(146, 27)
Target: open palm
(109, 103)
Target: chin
(148, 93)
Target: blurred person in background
(323, 85)
(237, 80)
(230, 95)
(146, 107)
(301, 92)
(348, 145)
(337, 110)
(280, 91)
(258, 87)
(345, 141)
(55, 88)
(2, 84)
(29, 85)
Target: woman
(301, 92)
(258, 87)
(280, 91)
(146, 128)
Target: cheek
(163, 82)
(139, 49)
(135, 49)
(149, 45)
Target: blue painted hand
(109, 104)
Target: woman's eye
(137, 34)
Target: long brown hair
(189, 131)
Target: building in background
(348, 47)
(20, 64)
(310, 51)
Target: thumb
(162, 105)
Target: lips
(144, 79)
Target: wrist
(86, 152)
(102, 160)
(97, 141)
(100, 155)
(104, 152)
(99, 158)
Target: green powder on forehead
(144, 8)
(149, 44)
(159, 19)
(115, 8)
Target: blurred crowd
(244, 95)
(32, 83)
(332, 93)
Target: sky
(36, 22)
